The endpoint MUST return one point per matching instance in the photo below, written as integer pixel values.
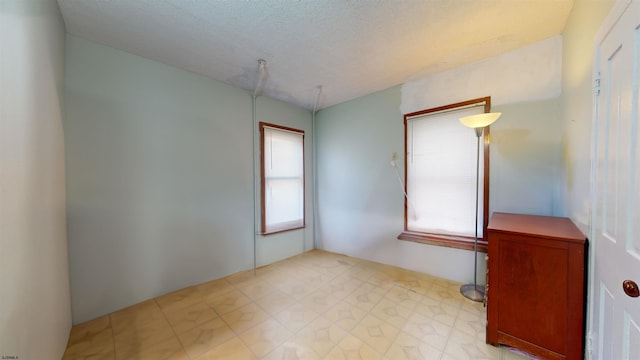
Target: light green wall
(526, 160)
(159, 178)
(577, 97)
(360, 199)
(35, 309)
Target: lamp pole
(478, 122)
(472, 291)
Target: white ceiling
(350, 48)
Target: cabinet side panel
(532, 289)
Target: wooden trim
(446, 240)
(486, 172)
(457, 242)
(486, 100)
(283, 230)
(280, 127)
(263, 182)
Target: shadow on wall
(526, 158)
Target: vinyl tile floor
(317, 305)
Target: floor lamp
(478, 123)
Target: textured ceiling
(350, 48)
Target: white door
(616, 195)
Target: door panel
(616, 197)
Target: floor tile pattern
(317, 305)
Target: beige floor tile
(413, 283)
(296, 317)
(275, 302)
(143, 335)
(240, 277)
(321, 335)
(91, 340)
(473, 307)
(277, 275)
(214, 288)
(320, 301)
(256, 288)
(135, 316)
(91, 354)
(391, 312)
(245, 317)
(292, 350)
(228, 301)
(376, 333)
(344, 285)
(345, 315)
(205, 337)
(233, 349)
(179, 299)
(471, 323)
(90, 329)
(365, 297)
(359, 272)
(167, 349)
(446, 291)
(316, 305)
(298, 289)
(183, 319)
(317, 277)
(428, 330)
(381, 281)
(403, 296)
(407, 347)
(438, 309)
(265, 337)
(352, 348)
(463, 346)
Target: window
(440, 173)
(282, 172)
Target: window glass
(282, 178)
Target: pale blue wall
(577, 96)
(526, 158)
(577, 93)
(360, 199)
(159, 178)
(35, 308)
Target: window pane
(283, 182)
(283, 154)
(284, 203)
(441, 175)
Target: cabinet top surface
(546, 226)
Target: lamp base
(472, 292)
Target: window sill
(279, 231)
(457, 242)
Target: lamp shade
(480, 120)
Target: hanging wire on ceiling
(262, 64)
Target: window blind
(283, 179)
(441, 174)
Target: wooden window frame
(263, 212)
(458, 242)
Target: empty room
(279, 179)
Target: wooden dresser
(536, 285)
